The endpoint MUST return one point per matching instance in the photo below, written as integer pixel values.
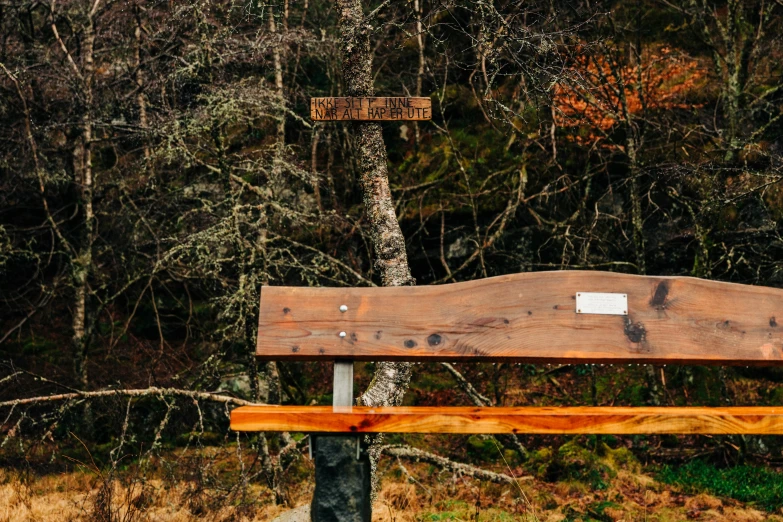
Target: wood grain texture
(539, 420)
(528, 318)
(390, 108)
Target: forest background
(158, 165)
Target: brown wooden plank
(528, 318)
(389, 108)
(540, 420)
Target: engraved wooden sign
(393, 108)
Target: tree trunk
(391, 378)
(141, 101)
(420, 72)
(82, 264)
(277, 60)
(391, 261)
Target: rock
(239, 384)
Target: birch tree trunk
(81, 262)
(272, 373)
(141, 101)
(420, 73)
(277, 60)
(391, 378)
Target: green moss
(580, 467)
(207, 438)
(750, 484)
(635, 394)
(482, 448)
(571, 462)
(622, 458)
(451, 510)
(596, 510)
(776, 395)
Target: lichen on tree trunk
(81, 263)
(391, 378)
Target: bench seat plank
(528, 317)
(755, 420)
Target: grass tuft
(750, 484)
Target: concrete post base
(342, 483)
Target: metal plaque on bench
(601, 303)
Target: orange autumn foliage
(606, 91)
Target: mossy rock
(578, 463)
(512, 457)
(539, 460)
(621, 458)
(571, 462)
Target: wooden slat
(390, 108)
(539, 420)
(528, 318)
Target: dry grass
(427, 496)
(73, 496)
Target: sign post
(342, 468)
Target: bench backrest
(529, 317)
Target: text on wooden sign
(370, 109)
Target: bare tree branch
(409, 453)
(144, 392)
(477, 398)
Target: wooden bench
(529, 318)
(549, 317)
